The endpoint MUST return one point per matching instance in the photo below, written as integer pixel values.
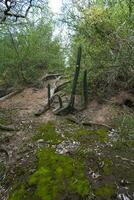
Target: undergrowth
(57, 176)
(48, 133)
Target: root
(6, 154)
(7, 128)
(11, 94)
(90, 123)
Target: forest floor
(110, 162)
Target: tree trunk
(49, 95)
(70, 107)
(76, 75)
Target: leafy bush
(106, 36)
(105, 192)
(125, 126)
(28, 51)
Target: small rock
(40, 141)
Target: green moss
(105, 192)
(85, 135)
(107, 166)
(102, 135)
(19, 194)
(56, 176)
(48, 133)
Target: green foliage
(57, 176)
(28, 50)
(100, 135)
(107, 166)
(19, 194)
(105, 192)
(48, 133)
(107, 41)
(125, 126)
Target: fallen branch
(42, 111)
(61, 86)
(51, 96)
(7, 127)
(64, 111)
(6, 154)
(89, 123)
(3, 171)
(49, 77)
(47, 106)
(59, 100)
(125, 159)
(10, 94)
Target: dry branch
(52, 94)
(10, 94)
(89, 123)
(15, 9)
(42, 111)
(49, 77)
(51, 97)
(61, 86)
(5, 152)
(7, 127)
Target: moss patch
(48, 133)
(107, 166)
(56, 176)
(85, 135)
(105, 192)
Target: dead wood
(89, 123)
(5, 152)
(7, 127)
(52, 93)
(70, 107)
(48, 105)
(64, 111)
(42, 111)
(49, 77)
(51, 97)
(75, 80)
(61, 86)
(11, 94)
(59, 100)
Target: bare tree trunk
(49, 95)
(70, 107)
(76, 75)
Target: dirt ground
(19, 110)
